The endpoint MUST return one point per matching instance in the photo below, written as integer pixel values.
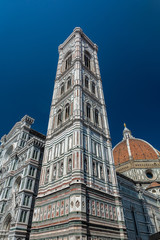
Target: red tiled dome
(140, 150)
(153, 185)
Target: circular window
(153, 191)
(149, 174)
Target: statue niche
(16, 199)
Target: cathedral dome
(131, 148)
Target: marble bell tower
(78, 197)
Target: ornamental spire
(126, 133)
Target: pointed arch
(17, 183)
(7, 222)
(67, 111)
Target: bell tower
(78, 195)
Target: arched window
(88, 110)
(67, 111)
(93, 87)
(96, 116)
(87, 59)
(17, 184)
(68, 82)
(7, 222)
(86, 82)
(62, 88)
(68, 61)
(59, 120)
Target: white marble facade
(21, 153)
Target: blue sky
(127, 33)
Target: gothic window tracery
(68, 61)
(62, 88)
(26, 200)
(93, 87)
(29, 184)
(35, 154)
(86, 82)
(59, 120)
(7, 222)
(88, 110)
(17, 184)
(68, 82)
(23, 216)
(87, 58)
(32, 171)
(67, 111)
(96, 116)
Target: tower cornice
(80, 31)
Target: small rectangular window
(35, 154)
(29, 184)
(24, 135)
(26, 200)
(22, 143)
(68, 62)
(32, 171)
(87, 61)
(23, 216)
